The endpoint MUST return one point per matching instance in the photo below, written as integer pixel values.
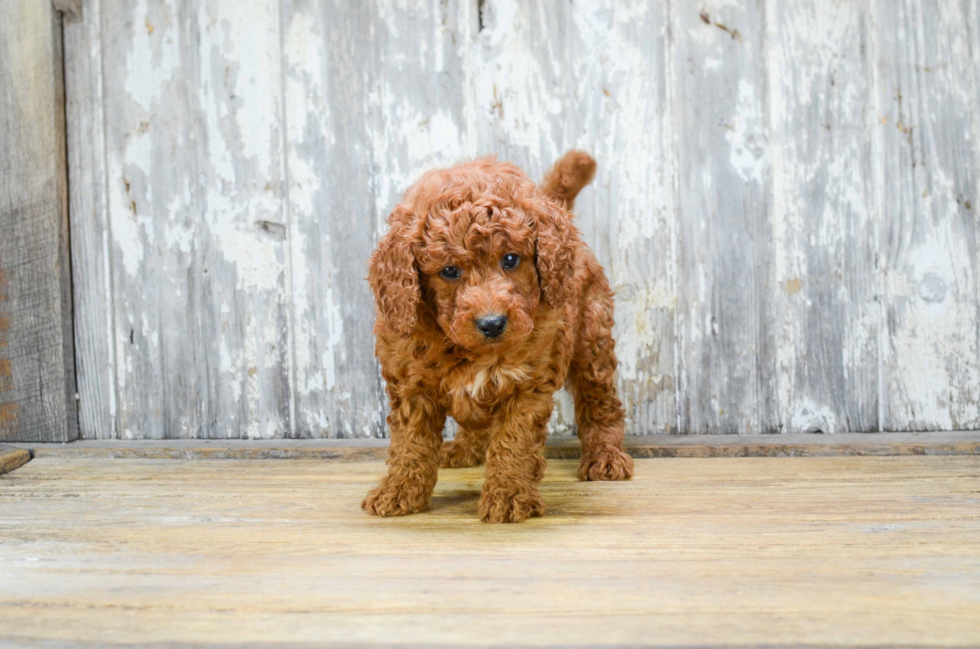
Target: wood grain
(91, 247)
(727, 552)
(372, 101)
(194, 185)
(610, 64)
(726, 337)
(928, 161)
(824, 311)
(37, 374)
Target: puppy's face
(478, 274)
(481, 248)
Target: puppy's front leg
(515, 464)
(416, 424)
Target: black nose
(492, 326)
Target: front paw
(510, 503)
(396, 497)
(456, 456)
(606, 464)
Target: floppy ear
(393, 275)
(557, 244)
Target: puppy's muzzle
(492, 326)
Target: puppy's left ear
(393, 275)
(557, 245)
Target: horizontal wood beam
(643, 446)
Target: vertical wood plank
(372, 100)
(37, 374)
(927, 169)
(90, 236)
(725, 254)
(618, 85)
(194, 197)
(825, 313)
(547, 77)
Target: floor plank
(750, 551)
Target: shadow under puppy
(488, 303)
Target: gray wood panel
(195, 218)
(37, 377)
(90, 245)
(622, 114)
(927, 140)
(372, 100)
(529, 65)
(725, 274)
(824, 312)
(758, 207)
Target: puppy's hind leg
(469, 448)
(599, 413)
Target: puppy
(488, 302)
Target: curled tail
(568, 176)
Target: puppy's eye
(510, 261)
(450, 272)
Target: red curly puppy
(488, 303)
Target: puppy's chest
(473, 391)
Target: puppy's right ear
(393, 275)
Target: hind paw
(606, 464)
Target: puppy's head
(480, 247)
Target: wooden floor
(693, 552)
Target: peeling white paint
(635, 333)
(809, 417)
(431, 141)
(231, 142)
(257, 263)
(153, 58)
(510, 92)
(126, 233)
(747, 136)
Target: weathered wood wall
(785, 203)
(37, 364)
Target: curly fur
(436, 362)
